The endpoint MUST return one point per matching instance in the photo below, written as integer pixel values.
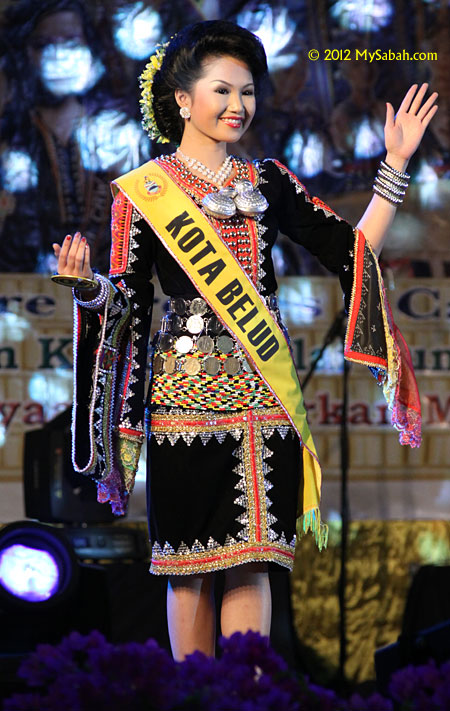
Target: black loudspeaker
(426, 626)
(428, 602)
(54, 492)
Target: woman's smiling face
(221, 102)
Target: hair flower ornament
(146, 101)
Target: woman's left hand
(404, 131)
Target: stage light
(298, 302)
(426, 174)
(369, 140)
(13, 327)
(46, 263)
(331, 360)
(54, 391)
(293, 150)
(19, 171)
(69, 68)
(305, 158)
(137, 29)
(28, 573)
(111, 139)
(38, 567)
(368, 16)
(275, 29)
(427, 182)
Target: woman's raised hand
(74, 257)
(403, 132)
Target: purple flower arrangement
(87, 673)
(422, 688)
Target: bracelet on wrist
(402, 183)
(98, 301)
(390, 184)
(390, 197)
(399, 173)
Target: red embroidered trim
(253, 234)
(315, 200)
(225, 556)
(406, 410)
(253, 466)
(251, 172)
(134, 433)
(164, 421)
(354, 310)
(323, 205)
(120, 233)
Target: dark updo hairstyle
(183, 65)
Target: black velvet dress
(224, 463)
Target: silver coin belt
(193, 340)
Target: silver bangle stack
(390, 184)
(98, 301)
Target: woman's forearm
(380, 213)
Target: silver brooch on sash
(243, 198)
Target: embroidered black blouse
(305, 220)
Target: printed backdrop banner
(386, 479)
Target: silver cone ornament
(243, 197)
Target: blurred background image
(69, 124)
(70, 117)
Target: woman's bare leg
(191, 614)
(247, 600)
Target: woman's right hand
(74, 256)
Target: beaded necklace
(217, 177)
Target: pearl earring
(185, 113)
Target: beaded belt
(192, 340)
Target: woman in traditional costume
(231, 461)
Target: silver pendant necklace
(243, 198)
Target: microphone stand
(337, 330)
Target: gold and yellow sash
(192, 241)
